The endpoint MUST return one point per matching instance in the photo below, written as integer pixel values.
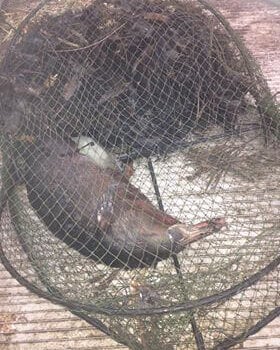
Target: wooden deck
(28, 322)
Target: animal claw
(186, 235)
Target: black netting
(140, 177)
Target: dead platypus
(98, 212)
(92, 208)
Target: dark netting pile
(140, 171)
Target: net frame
(276, 262)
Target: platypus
(96, 210)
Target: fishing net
(140, 177)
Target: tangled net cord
(156, 310)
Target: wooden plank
(28, 322)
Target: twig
(96, 43)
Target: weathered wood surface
(28, 322)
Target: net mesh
(140, 177)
